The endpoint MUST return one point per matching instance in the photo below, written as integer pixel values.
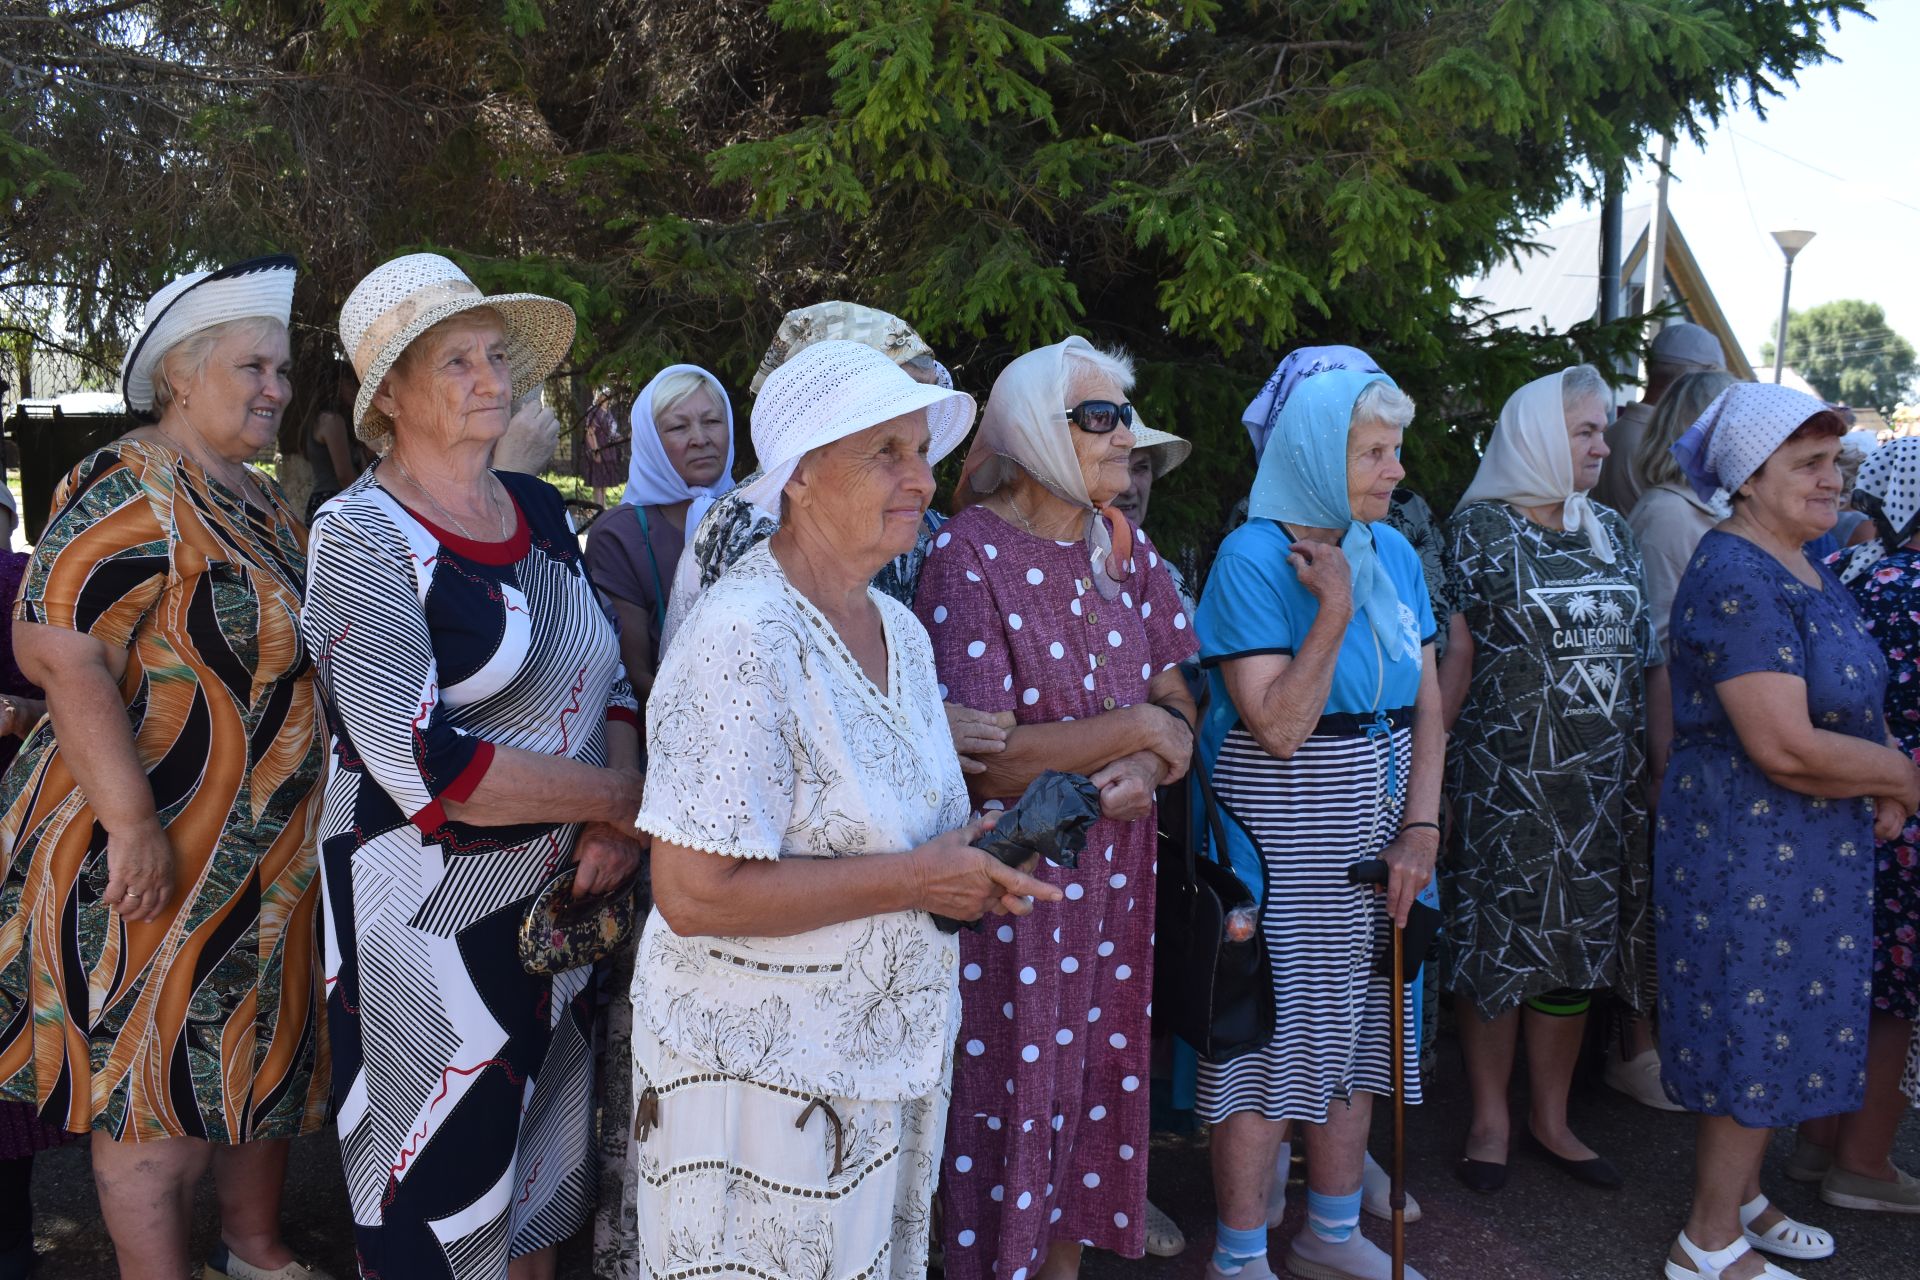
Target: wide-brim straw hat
(1168, 450)
(198, 301)
(835, 389)
(402, 299)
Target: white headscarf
(1025, 425)
(1529, 462)
(651, 479)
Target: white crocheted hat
(200, 300)
(402, 299)
(832, 390)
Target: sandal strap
(1716, 1261)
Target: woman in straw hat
(158, 956)
(1044, 603)
(483, 738)
(794, 1006)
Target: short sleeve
(955, 604)
(616, 559)
(105, 556)
(1733, 619)
(721, 774)
(1480, 543)
(1171, 635)
(1243, 607)
(368, 633)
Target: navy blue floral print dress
(1762, 896)
(1889, 594)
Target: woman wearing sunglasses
(1045, 603)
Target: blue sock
(1333, 1218)
(1233, 1248)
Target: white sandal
(1164, 1237)
(1708, 1266)
(1785, 1238)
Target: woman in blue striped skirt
(1325, 744)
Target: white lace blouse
(765, 739)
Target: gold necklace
(452, 519)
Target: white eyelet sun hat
(402, 299)
(1168, 450)
(832, 390)
(198, 301)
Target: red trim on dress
(434, 816)
(511, 551)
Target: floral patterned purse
(559, 932)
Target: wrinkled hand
(139, 872)
(606, 857)
(623, 802)
(1889, 818)
(1322, 570)
(1409, 862)
(531, 437)
(1166, 736)
(977, 733)
(961, 882)
(1127, 784)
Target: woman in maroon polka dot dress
(1045, 607)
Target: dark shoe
(1595, 1172)
(1481, 1175)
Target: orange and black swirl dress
(204, 1023)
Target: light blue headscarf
(1303, 480)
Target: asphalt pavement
(1542, 1226)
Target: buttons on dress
(1100, 660)
(1106, 704)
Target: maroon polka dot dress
(1047, 1136)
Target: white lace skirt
(732, 1178)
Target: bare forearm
(623, 749)
(1079, 746)
(1429, 749)
(87, 709)
(776, 898)
(1456, 671)
(1286, 713)
(1838, 766)
(530, 786)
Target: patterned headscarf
(1529, 462)
(1263, 414)
(1888, 492)
(849, 321)
(1304, 481)
(1739, 432)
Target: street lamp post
(1791, 243)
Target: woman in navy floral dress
(1780, 774)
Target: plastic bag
(1050, 820)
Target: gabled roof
(1556, 284)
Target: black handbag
(1214, 993)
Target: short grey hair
(1653, 462)
(1579, 384)
(186, 359)
(1384, 403)
(1110, 362)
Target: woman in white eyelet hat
(170, 825)
(794, 1006)
(484, 737)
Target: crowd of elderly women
(313, 787)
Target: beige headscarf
(1529, 463)
(839, 321)
(1025, 425)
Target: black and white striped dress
(1314, 816)
(463, 1084)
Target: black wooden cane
(1373, 871)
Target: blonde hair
(186, 359)
(678, 388)
(1653, 462)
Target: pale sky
(1839, 155)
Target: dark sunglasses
(1100, 417)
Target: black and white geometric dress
(463, 1084)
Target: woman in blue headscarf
(1324, 742)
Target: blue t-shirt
(1254, 604)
